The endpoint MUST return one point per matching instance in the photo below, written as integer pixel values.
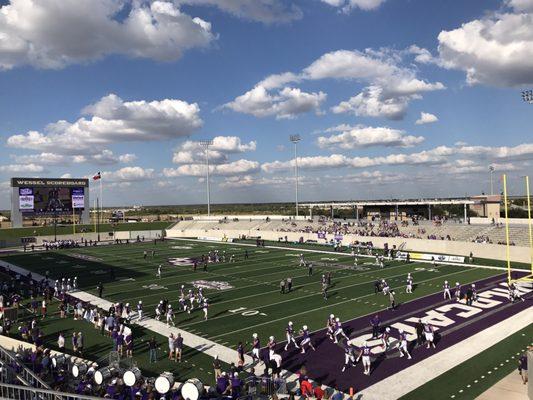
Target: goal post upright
(507, 242)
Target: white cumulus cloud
(426, 118)
(113, 120)
(352, 137)
(57, 33)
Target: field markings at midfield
(270, 283)
(356, 255)
(309, 295)
(330, 305)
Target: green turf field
(253, 303)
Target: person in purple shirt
(114, 336)
(236, 386)
(120, 343)
(128, 341)
(522, 367)
(375, 322)
(223, 385)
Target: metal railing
(8, 391)
(22, 371)
(263, 387)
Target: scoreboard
(35, 197)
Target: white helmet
(304, 327)
(182, 286)
(445, 281)
(457, 283)
(331, 316)
(127, 304)
(387, 329)
(473, 285)
(337, 319)
(271, 338)
(254, 335)
(140, 301)
(399, 330)
(290, 323)
(160, 301)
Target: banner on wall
(428, 257)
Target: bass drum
(164, 382)
(102, 374)
(59, 360)
(79, 370)
(131, 376)
(192, 389)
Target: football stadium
(266, 199)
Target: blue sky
(392, 98)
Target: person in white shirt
(61, 342)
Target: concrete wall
(493, 251)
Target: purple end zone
(325, 364)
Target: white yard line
(409, 379)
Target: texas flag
(97, 176)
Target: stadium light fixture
(527, 96)
(205, 144)
(491, 172)
(295, 139)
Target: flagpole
(101, 200)
(94, 219)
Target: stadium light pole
(206, 144)
(527, 96)
(295, 139)
(491, 172)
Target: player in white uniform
(158, 274)
(158, 310)
(385, 287)
(140, 310)
(256, 345)
(205, 306)
(339, 330)
(402, 346)
(170, 316)
(330, 325)
(289, 331)
(75, 283)
(364, 353)
(409, 286)
(447, 293)
(302, 260)
(306, 339)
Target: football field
(244, 295)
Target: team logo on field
(181, 247)
(216, 285)
(85, 257)
(154, 286)
(98, 272)
(181, 261)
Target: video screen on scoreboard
(45, 200)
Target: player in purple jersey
(364, 353)
(256, 345)
(457, 291)
(349, 357)
(447, 294)
(402, 346)
(429, 333)
(338, 330)
(306, 339)
(271, 343)
(385, 336)
(289, 331)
